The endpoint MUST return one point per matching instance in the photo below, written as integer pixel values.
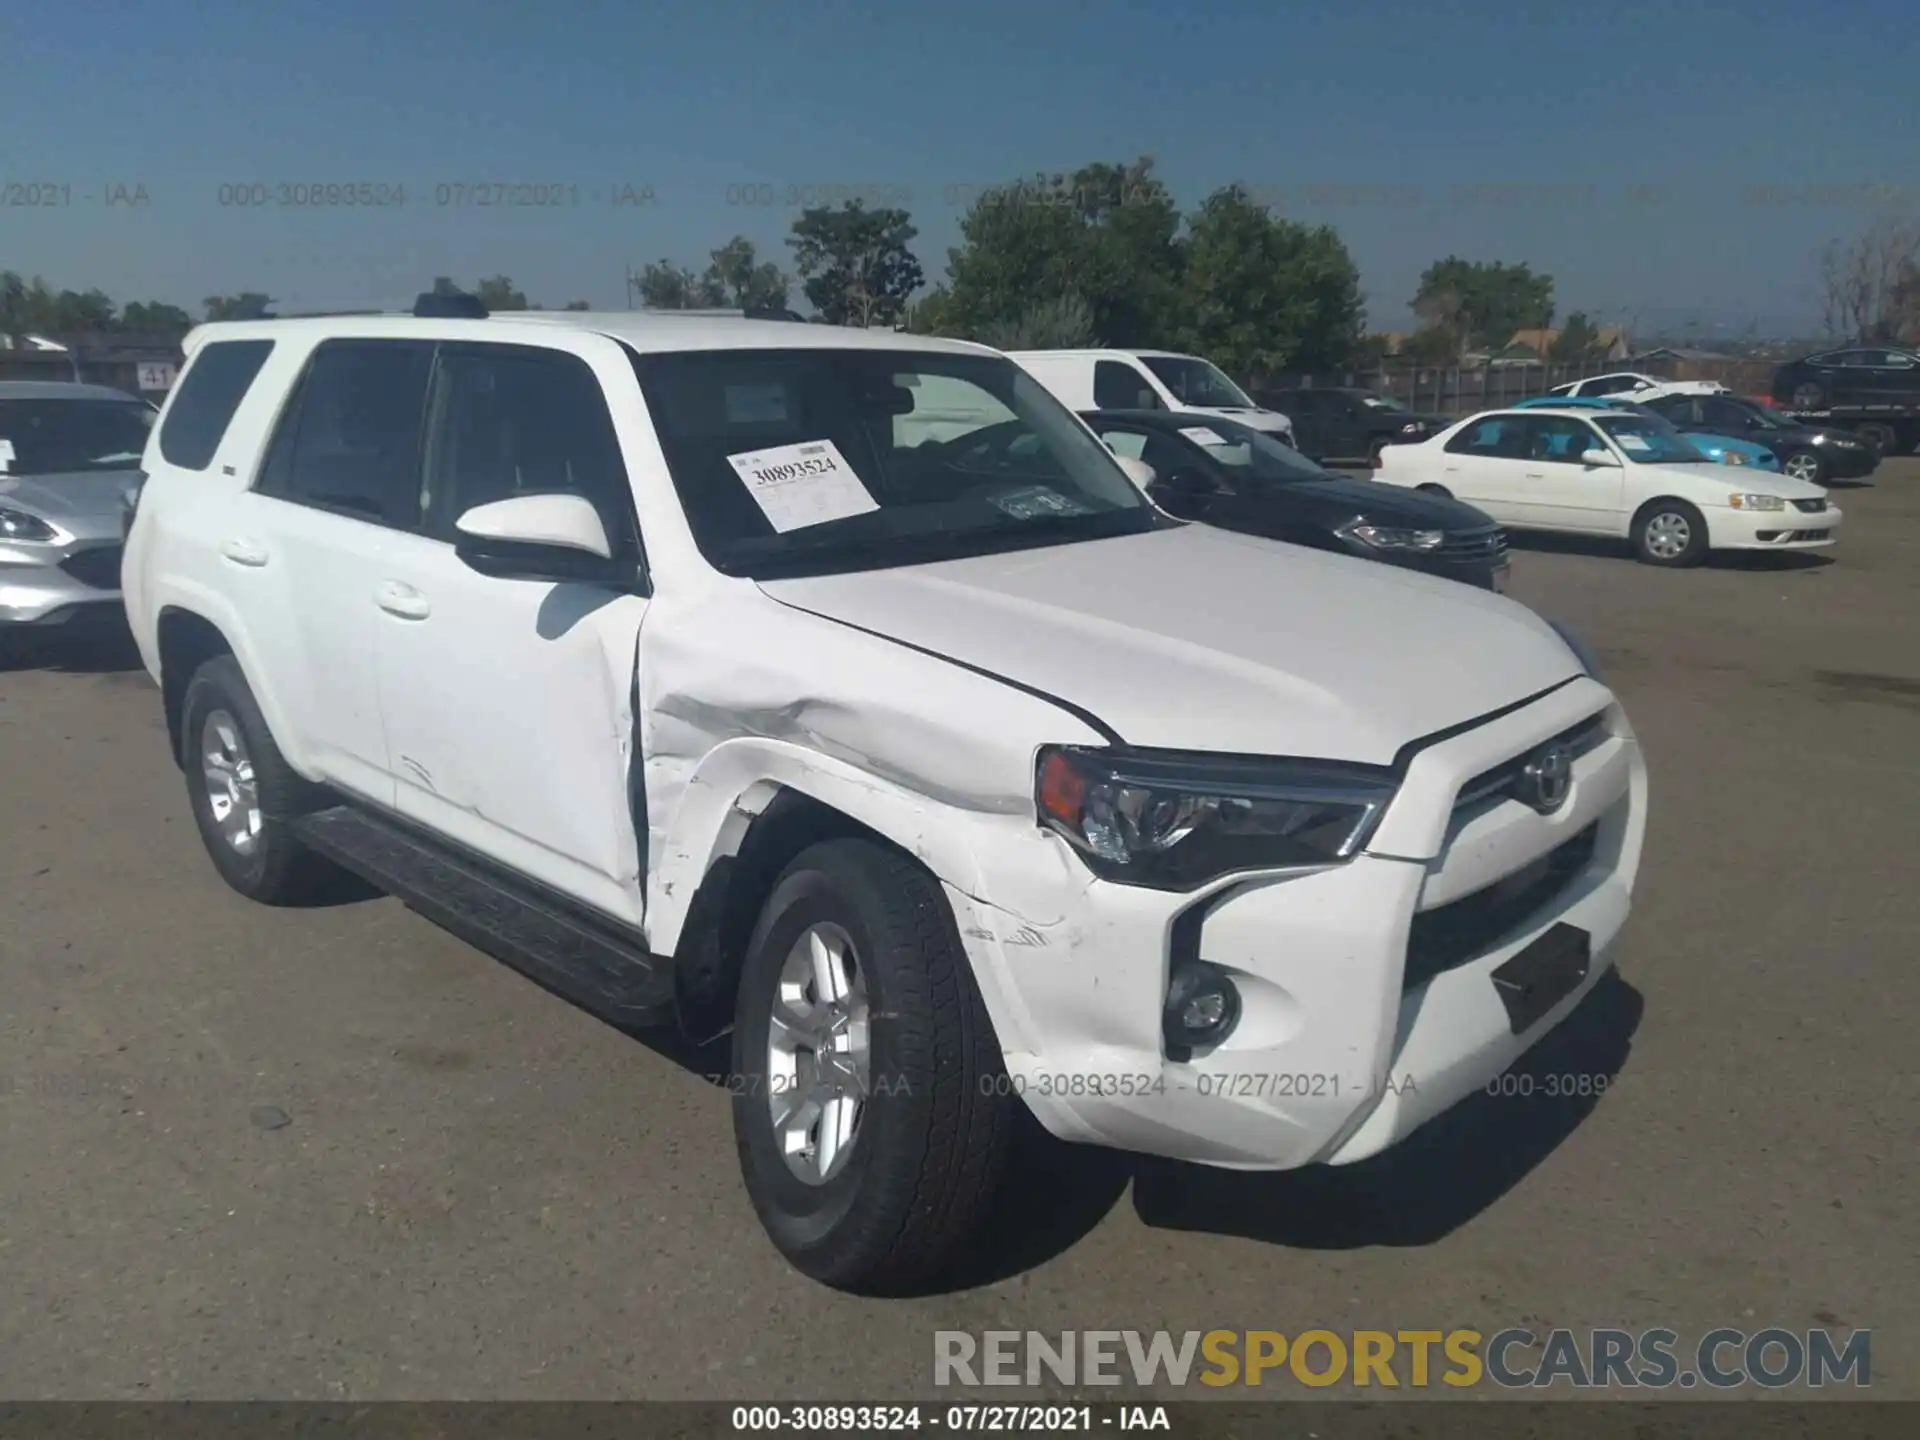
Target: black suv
(1341, 424)
(1864, 377)
(1807, 452)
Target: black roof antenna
(449, 307)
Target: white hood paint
(1197, 639)
(1269, 420)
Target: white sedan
(1631, 385)
(1597, 473)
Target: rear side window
(350, 440)
(211, 390)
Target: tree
(738, 276)
(1483, 302)
(1263, 295)
(1578, 340)
(248, 305)
(666, 286)
(151, 315)
(855, 264)
(1065, 323)
(497, 293)
(1107, 233)
(1871, 284)
(1433, 345)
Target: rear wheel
(1883, 438)
(1670, 533)
(1808, 396)
(871, 1110)
(243, 791)
(1805, 465)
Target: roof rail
(449, 307)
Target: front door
(1563, 492)
(509, 704)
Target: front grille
(1461, 546)
(1498, 781)
(99, 567)
(1455, 933)
(1810, 507)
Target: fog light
(1203, 1006)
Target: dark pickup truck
(1339, 424)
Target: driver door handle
(402, 600)
(242, 551)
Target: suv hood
(1198, 639)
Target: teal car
(1722, 449)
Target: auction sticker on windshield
(800, 485)
(1200, 435)
(1635, 443)
(6, 456)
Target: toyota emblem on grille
(1547, 778)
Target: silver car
(69, 464)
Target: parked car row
(1615, 473)
(1872, 390)
(717, 674)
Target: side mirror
(557, 538)
(1597, 458)
(1138, 471)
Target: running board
(539, 935)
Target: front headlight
(1174, 822)
(1732, 457)
(1393, 537)
(19, 525)
(1756, 502)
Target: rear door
(339, 481)
(1485, 464)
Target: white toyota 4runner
(676, 663)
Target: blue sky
(1660, 161)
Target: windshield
(1245, 452)
(1381, 402)
(1197, 382)
(1772, 418)
(1649, 441)
(53, 436)
(793, 462)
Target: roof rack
(449, 307)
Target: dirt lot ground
(337, 1154)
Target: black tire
(1808, 396)
(1374, 450)
(1806, 464)
(1440, 490)
(1648, 528)
(932, 1137)
(274, 868)
(1883, 438)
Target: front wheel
(1439, 490)
(871, 1110)
(1805, 465)
(1670, 533)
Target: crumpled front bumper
(1336, 1055)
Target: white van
(1147, 380)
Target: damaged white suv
(841, 688)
